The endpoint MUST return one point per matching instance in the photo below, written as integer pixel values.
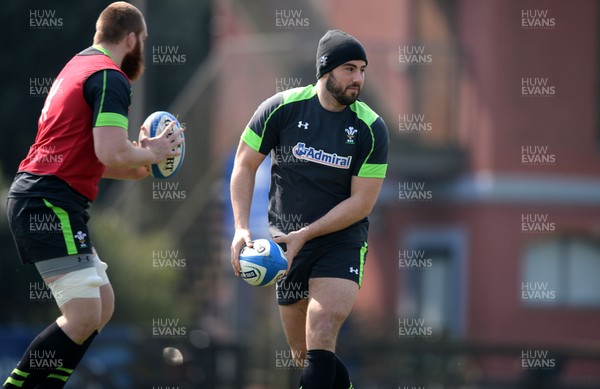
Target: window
(562, 271)
(433, 271)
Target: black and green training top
(314, 154)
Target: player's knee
(82, 322)
(78, 295)
(333, 316)
(89, 323)
(325, 322)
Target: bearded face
(343, 94)
(133, 62)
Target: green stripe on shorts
(363, 256)
(65, 223)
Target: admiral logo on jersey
(301, 151)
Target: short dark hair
(116, 21)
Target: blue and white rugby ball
(156, 124)
(263, 264)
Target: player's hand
(163, 145)
(294, 241)
(241, 237)
(144, 135)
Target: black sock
(60, 376)
(51, 358)
(342, 379)
(319, 371)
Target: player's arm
(126, 174)
(258, 138)
(108, 94)
(246, 163)
(117, 153)
(363, 195)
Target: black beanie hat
(336, 48)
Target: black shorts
(336, 259)
(43, 230)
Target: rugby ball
(263, 264)
(156, 124)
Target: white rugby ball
(156, 124)
(263, 264)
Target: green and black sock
(50, 359)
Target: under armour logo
(86, 258)
(353, 270)
(302, 124)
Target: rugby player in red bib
(82, 137)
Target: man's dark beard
(133, 62)
(336, 90)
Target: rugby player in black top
(328, 161)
